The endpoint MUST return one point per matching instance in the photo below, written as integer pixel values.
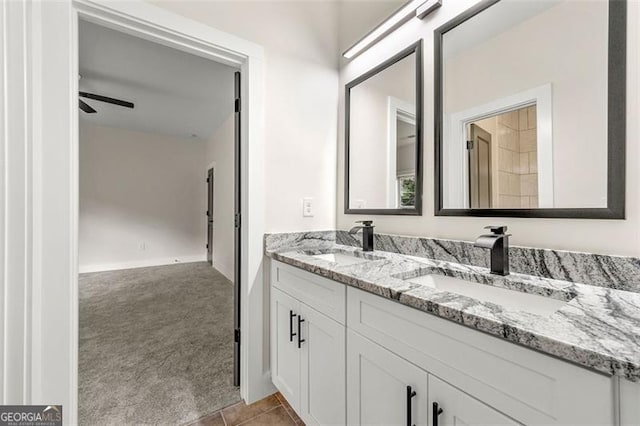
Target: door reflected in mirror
(529, 109)
(382, 138)
(506, 176)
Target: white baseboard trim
(141, 263)
(225, 270)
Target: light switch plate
(307, 207)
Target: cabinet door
(285, 355)
(459, 409)
(377, 382)
(323, 369)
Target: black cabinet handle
(300, 339)
(291, 333)
(436, 413)
(410, 394)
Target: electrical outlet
(307, 207)
(142, 246)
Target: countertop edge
(607, 365)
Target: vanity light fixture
(412, 8)
(427, 7)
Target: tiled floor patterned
(272, 410)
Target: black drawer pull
(300, 339)
(291, 333)
(410, 394)
(436, 413)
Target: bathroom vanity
(418, 331)
(388, 338)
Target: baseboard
(225, 270)
(141, 263)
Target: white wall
(140, 188)
(301, 98)
(601, 236)
(535, 52)
(220, 149)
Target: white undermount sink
(511, 299)
(341, 258)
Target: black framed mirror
(530, 110)
(383, 137)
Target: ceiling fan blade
(107, 99)
(86, 108)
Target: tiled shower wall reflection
(514, 158)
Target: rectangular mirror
(383, 138)
(530, 110)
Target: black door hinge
(237, 105)
(207, 245)
(237, 220)
(469, 144)
(236, 335)
(207, 180)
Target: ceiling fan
(89, 110)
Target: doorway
(55, 341)
(136, 163)
(210, 201)
(479, 147)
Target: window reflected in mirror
(383, 137)
(405, 143)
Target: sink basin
(343, 258)
(510, 299)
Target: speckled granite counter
(598, 327)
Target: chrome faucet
(498, 243)
(367, 233)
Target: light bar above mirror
(410, 9)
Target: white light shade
(398, 18)
(428, 7)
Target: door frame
(455, 159)
(395, 108)
(211, 166)
(53, 33)
(473, 157)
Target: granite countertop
(597, 327)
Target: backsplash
(622, 273)
(293, 240)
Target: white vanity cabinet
(449, 406)
(383, 388)
(378, 382)
(308, 346)
(285, 355)
(364, 357)
(526, 386)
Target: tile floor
(272, 410)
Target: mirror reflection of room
(503, 161)
(382, 139)
(532, 97)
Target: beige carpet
(156, 345)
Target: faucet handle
(365, 222)
(498, 230)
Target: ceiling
(492, 22)
(175, 93)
